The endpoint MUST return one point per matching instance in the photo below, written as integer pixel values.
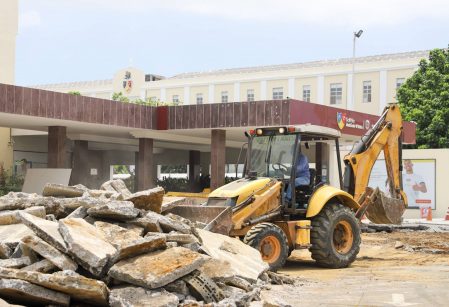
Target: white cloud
(29, 19)
(316, 12)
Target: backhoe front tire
(335, 236)
(271, 241)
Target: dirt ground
(416, 274)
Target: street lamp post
(356, 35)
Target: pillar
(80, 167)
(145, 164)
(217, 158)
(136, 170)
(194, 168)
(56, 147)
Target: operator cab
(273, 152)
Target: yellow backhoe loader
(319, 217)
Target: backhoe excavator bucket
(379, 208)
(217, 218)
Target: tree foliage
(424, 99)
(76, 93)
(148, 102)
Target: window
(336, 93)
(199, 98)
(153, 99)
(399, 82)
(175, 99)
(250, 95)
(366, 91)
(306, 93)
(224, 96)
(278, 93)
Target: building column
(236, 92)
(217, 158)
(291, 88)
(194, 168)
(136, 171)
(145, 164)
(263, 90)
(320, 90)
(350, 95)
(382, 90)
(80, 167)
(56, 157)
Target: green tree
(76, 93)
(120, 97)
(424, 99)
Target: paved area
(415, 275)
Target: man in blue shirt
(302, 174)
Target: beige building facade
(8, 32)
(366, 88)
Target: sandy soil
(416, 274)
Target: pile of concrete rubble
(76, 246)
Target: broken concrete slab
(169, 202)
(170, 223)
(217, 269)
(80, 212)
(245, 261)
(157, 269)
(15, 263)
(149, 199)
(100, 193)
(140, 246)
(59, 190)
(107, 186)
(85, 201)
(23, 292)
(181, 238)
(138, 297)
(49, 252)
(9, 217)
(120, 186)
(5, 251)
(10, 235)
(148, 223)
(43, 266)
(87, 244)
(21, 201)
(117, 235)
(82, 288)
(46, 230)
(178, 286)
(24, 251)
(115, 210)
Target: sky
(67, 40)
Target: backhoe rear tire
(271, 241)
(335, 236)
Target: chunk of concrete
(120, 186)
(140, 246)
(169, 202)
(181, 238)
(24, 251)
(87, 244)
(9, 217)
(46, 230)
(117, 235)
(23, 292)
(80, 212)
(10, 235)
(49, 252)
(100, 193)
(149, 199)
(171, 222)
(139, 297)
(59, 190)
(43, 266)
(115, 210)
(83, 289)
(148, 223)
(157, 269)
(5, 251)
(178, 286)
(21, 201)
(85, 201)
(107, 186)
(15, 263)
(245, 261)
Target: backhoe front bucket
(217, 218)
(379, 208)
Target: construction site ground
(384, 274)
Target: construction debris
(112, 247)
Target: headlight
(282, 130)
(259, 131)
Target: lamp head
(358, 33)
